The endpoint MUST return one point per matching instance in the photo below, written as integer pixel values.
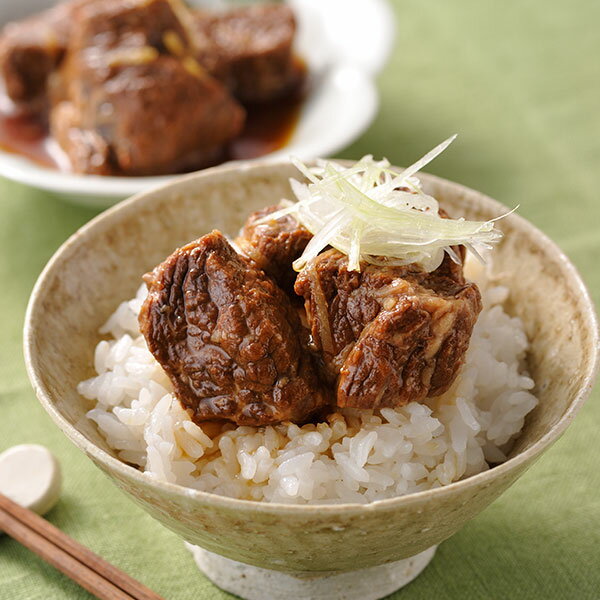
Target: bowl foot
(255, 583)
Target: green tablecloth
(520, 82)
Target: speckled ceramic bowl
(101, 265)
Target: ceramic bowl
(342, 60)
(101, 265)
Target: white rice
(355, 456)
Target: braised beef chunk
(388, 335)
(145, 118)
(30, 50)
(274, 245)
(337, 306)
(228, 337)
(103, 24)
(411, 351)
(124, 104)
(250, 50)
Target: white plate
(345, 44)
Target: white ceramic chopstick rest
(30, 476)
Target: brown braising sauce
(26, 134)
(268, 127)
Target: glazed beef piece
(250, 50)
(103, 24)
(144, 118)
(388, 335)
(31, 49)
(131, 100)
(228, 338)
(274, 245)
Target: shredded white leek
(374, 214)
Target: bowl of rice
(359, 490)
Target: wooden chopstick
(83, 575)
(91, 572)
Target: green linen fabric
(520, 82)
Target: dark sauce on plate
(27, 134)
(268, 127)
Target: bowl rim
(112, 464)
